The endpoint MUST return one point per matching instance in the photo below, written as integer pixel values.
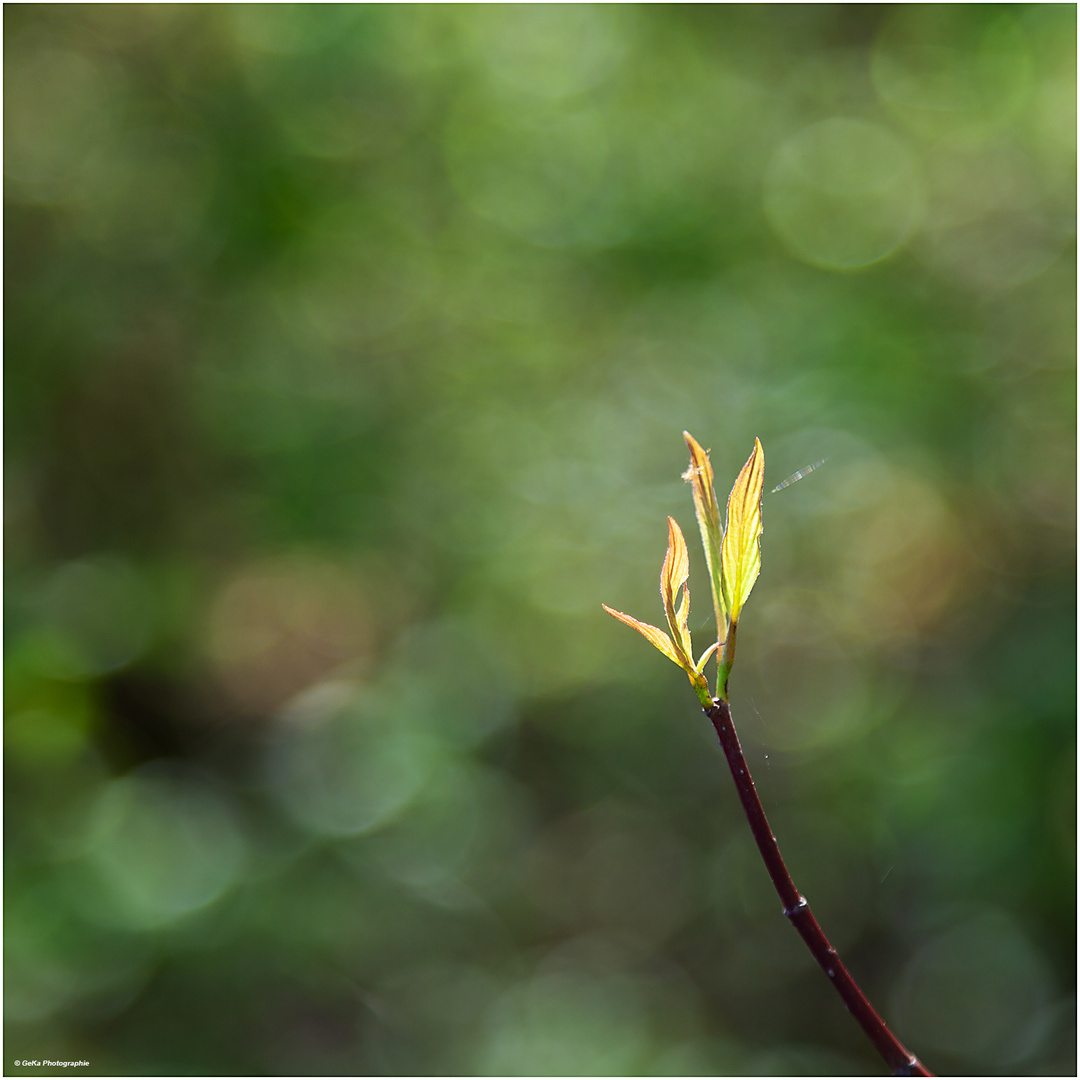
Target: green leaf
(700, 475)
(704, 658)
(741, 548)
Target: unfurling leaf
(700, 474)
(677, 648)
(741, 548)
(734, 558)
(652, 633)
(673, 576)
(704, 658)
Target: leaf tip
(699, 456)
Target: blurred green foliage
(348, 352)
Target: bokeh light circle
(352, 772)
(56, 115)
(842, 193)
(947, 69)
(979, 990)
(164, 843)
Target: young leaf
(652, 633)
(673, 576)
(700, 474)
(704, 658)
(682, 622)
(741, 548)
(658, 638)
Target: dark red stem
(896, 1055)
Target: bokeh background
(348, 351)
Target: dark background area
(348, 351)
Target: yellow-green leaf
(652, 633)
(682, 622)
(658, 638)
(704, 658)
(676, 568)
(673, 575)
(700, 475)
(741, 548)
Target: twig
(896, 1055)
